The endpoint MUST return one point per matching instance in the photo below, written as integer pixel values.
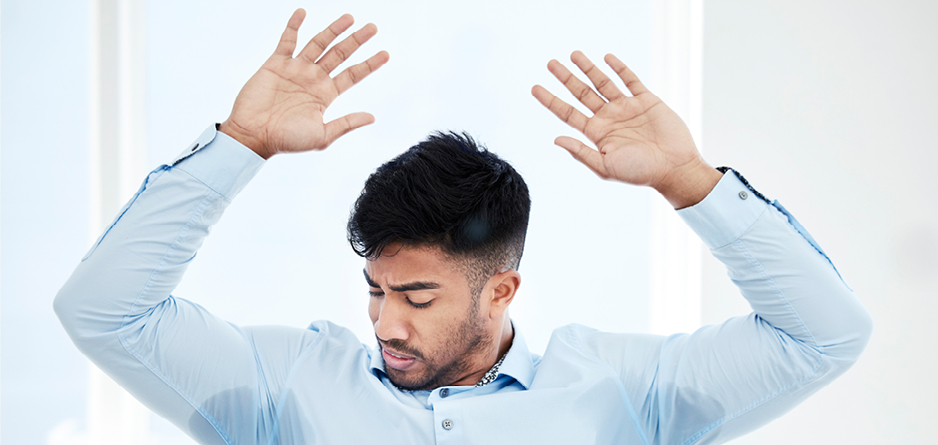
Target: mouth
(400, 362)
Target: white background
(829, 107)
(826, 107)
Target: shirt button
(743, 195)
(444, 392)
(447, 424)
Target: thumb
(583, 153)
(340, 126)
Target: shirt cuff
(220, 162)
(724, 214)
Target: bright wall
(829, 108)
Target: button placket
(446, 415)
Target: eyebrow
(416, 285)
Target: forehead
(404, 264)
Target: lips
(397, 361)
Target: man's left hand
(639, 140)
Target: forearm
(142, 256)
(807, 326)
(787, 280)
(118, 310)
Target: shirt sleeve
(182, 362)
(720, 382)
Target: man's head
(443, 223)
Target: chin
(398, 379)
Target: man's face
(431, 331)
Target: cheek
(440, 329)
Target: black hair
(446, 192)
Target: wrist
(237, 133)
(690, 184)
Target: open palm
(638, 139)
(280, 109)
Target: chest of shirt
(567, 402)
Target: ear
(501, 289)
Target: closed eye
(376, 294)
(420, 305)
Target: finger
(339, 53)
(345, 124)
(355, 73)
(288, 40)
(631, 81)
(583, 153)
(602, 83)
(561, 109)
(318, 44)
(580, 90)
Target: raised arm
(187, 365)
(807, 327)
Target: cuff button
(743, 195)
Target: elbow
(850, 344)
(81, 313)
(66, 310)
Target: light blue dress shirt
(223, 383)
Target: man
(442, 228)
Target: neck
(507, 337)
(503, 339)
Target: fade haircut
(451, 193)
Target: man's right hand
(280, 109)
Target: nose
(391, 323)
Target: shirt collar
(377, 362)
(518, 363)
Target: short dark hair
(447, 192)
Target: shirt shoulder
(632, 356)
(279, 349)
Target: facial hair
(452, 361)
